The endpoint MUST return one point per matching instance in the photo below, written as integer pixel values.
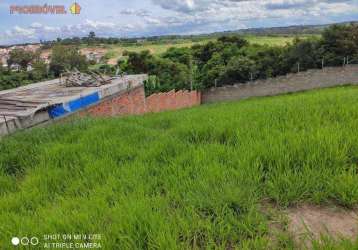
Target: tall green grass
(193, 179)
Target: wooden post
(251, 76)
(216, 83)
(191, 73)
(322, 63)
(298, 67)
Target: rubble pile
(76, 78)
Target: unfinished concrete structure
(49, 101)
(39, 103)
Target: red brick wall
(131, 102)
(172, 100)
(134, 102)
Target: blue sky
(128, 18)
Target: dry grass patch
(309, 223)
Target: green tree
(228, 46)
(66, 58)
(21, 57)
(203, 53)
(269, 61)
(212, 70)
(39, 71)
(340, 41)
(236, 40)
(168, 74)
(238, 70)
(91, 37)
(138, 63)
(304, 52)
(179, 55)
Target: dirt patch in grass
(308, 222)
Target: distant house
(29, 67)
(112, 61)
(46, 57)
(15, 67)
(94, 54)
(30, 47)
(33, 47)
(3, 60)
(141, 40)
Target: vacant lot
(193, 179)
(115, 51)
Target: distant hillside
(271, 31)
(288, 30)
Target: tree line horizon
(228, 60)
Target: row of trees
(232, 59)
(92, 39)
(62, 58)
(228, 60)
(11, 79)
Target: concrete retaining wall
(311, 79)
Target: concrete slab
(29, 105)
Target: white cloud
(96, 25)
(134, 12)
(192, 16)
(36, 25)
(152, 21)
(17, 30)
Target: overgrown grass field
(115, 51)
(192, 179)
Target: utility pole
(298, 67)
(344, 61)
(216, 83)
(251, 76)
(322, 63)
